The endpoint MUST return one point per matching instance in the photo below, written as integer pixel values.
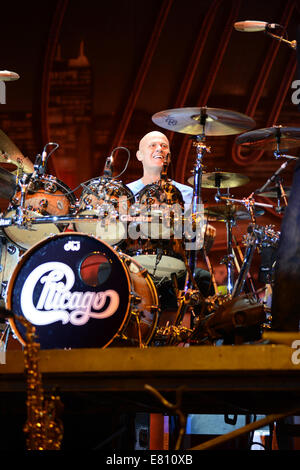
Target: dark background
(92, 74)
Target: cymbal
(202, 120)
(273, 192)
(270, 138)
(221, 179)
(225, 212)
(9, 153)
(7, 183)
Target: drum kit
(87, 271)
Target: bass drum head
(74, 289)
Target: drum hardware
(221, 179)
(229, 214)
(37, 197)
(201, 150)
(8, 184)
(171, 335)
(10, 154)
(234, 320)
(201, 122)
(242, 258)
(275, 178)
(256, 236)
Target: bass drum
(46, 195)
(78, 292)
(106, 199)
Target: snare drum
(106, 199)
(46, 195)
(155, 240)
(79, 292)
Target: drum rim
(153, 290)
(30, 251)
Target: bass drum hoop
(152, 290)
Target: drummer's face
(154, 148)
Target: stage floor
(257, 378)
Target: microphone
(108, 167)
(250, 26)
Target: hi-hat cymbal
(7, 76)
(225, 212)
(9, 153)
(207, 121)
(270, 138)
(7, 184)
(221, 179)
(274, 191)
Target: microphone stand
(275, 177)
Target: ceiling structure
(93, 76)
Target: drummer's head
(153, 149)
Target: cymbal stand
(242, 258)
(201, 150)
(191, 294)
(244, 271)
(247, 201)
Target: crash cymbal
(223, 213)
(7, 184)
(9, 153)
(6, 76)
(221, 179)
(274, 191)
(271, 138)
(207, 121)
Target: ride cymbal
(270, 138)
(202, 120)
(221, 179)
